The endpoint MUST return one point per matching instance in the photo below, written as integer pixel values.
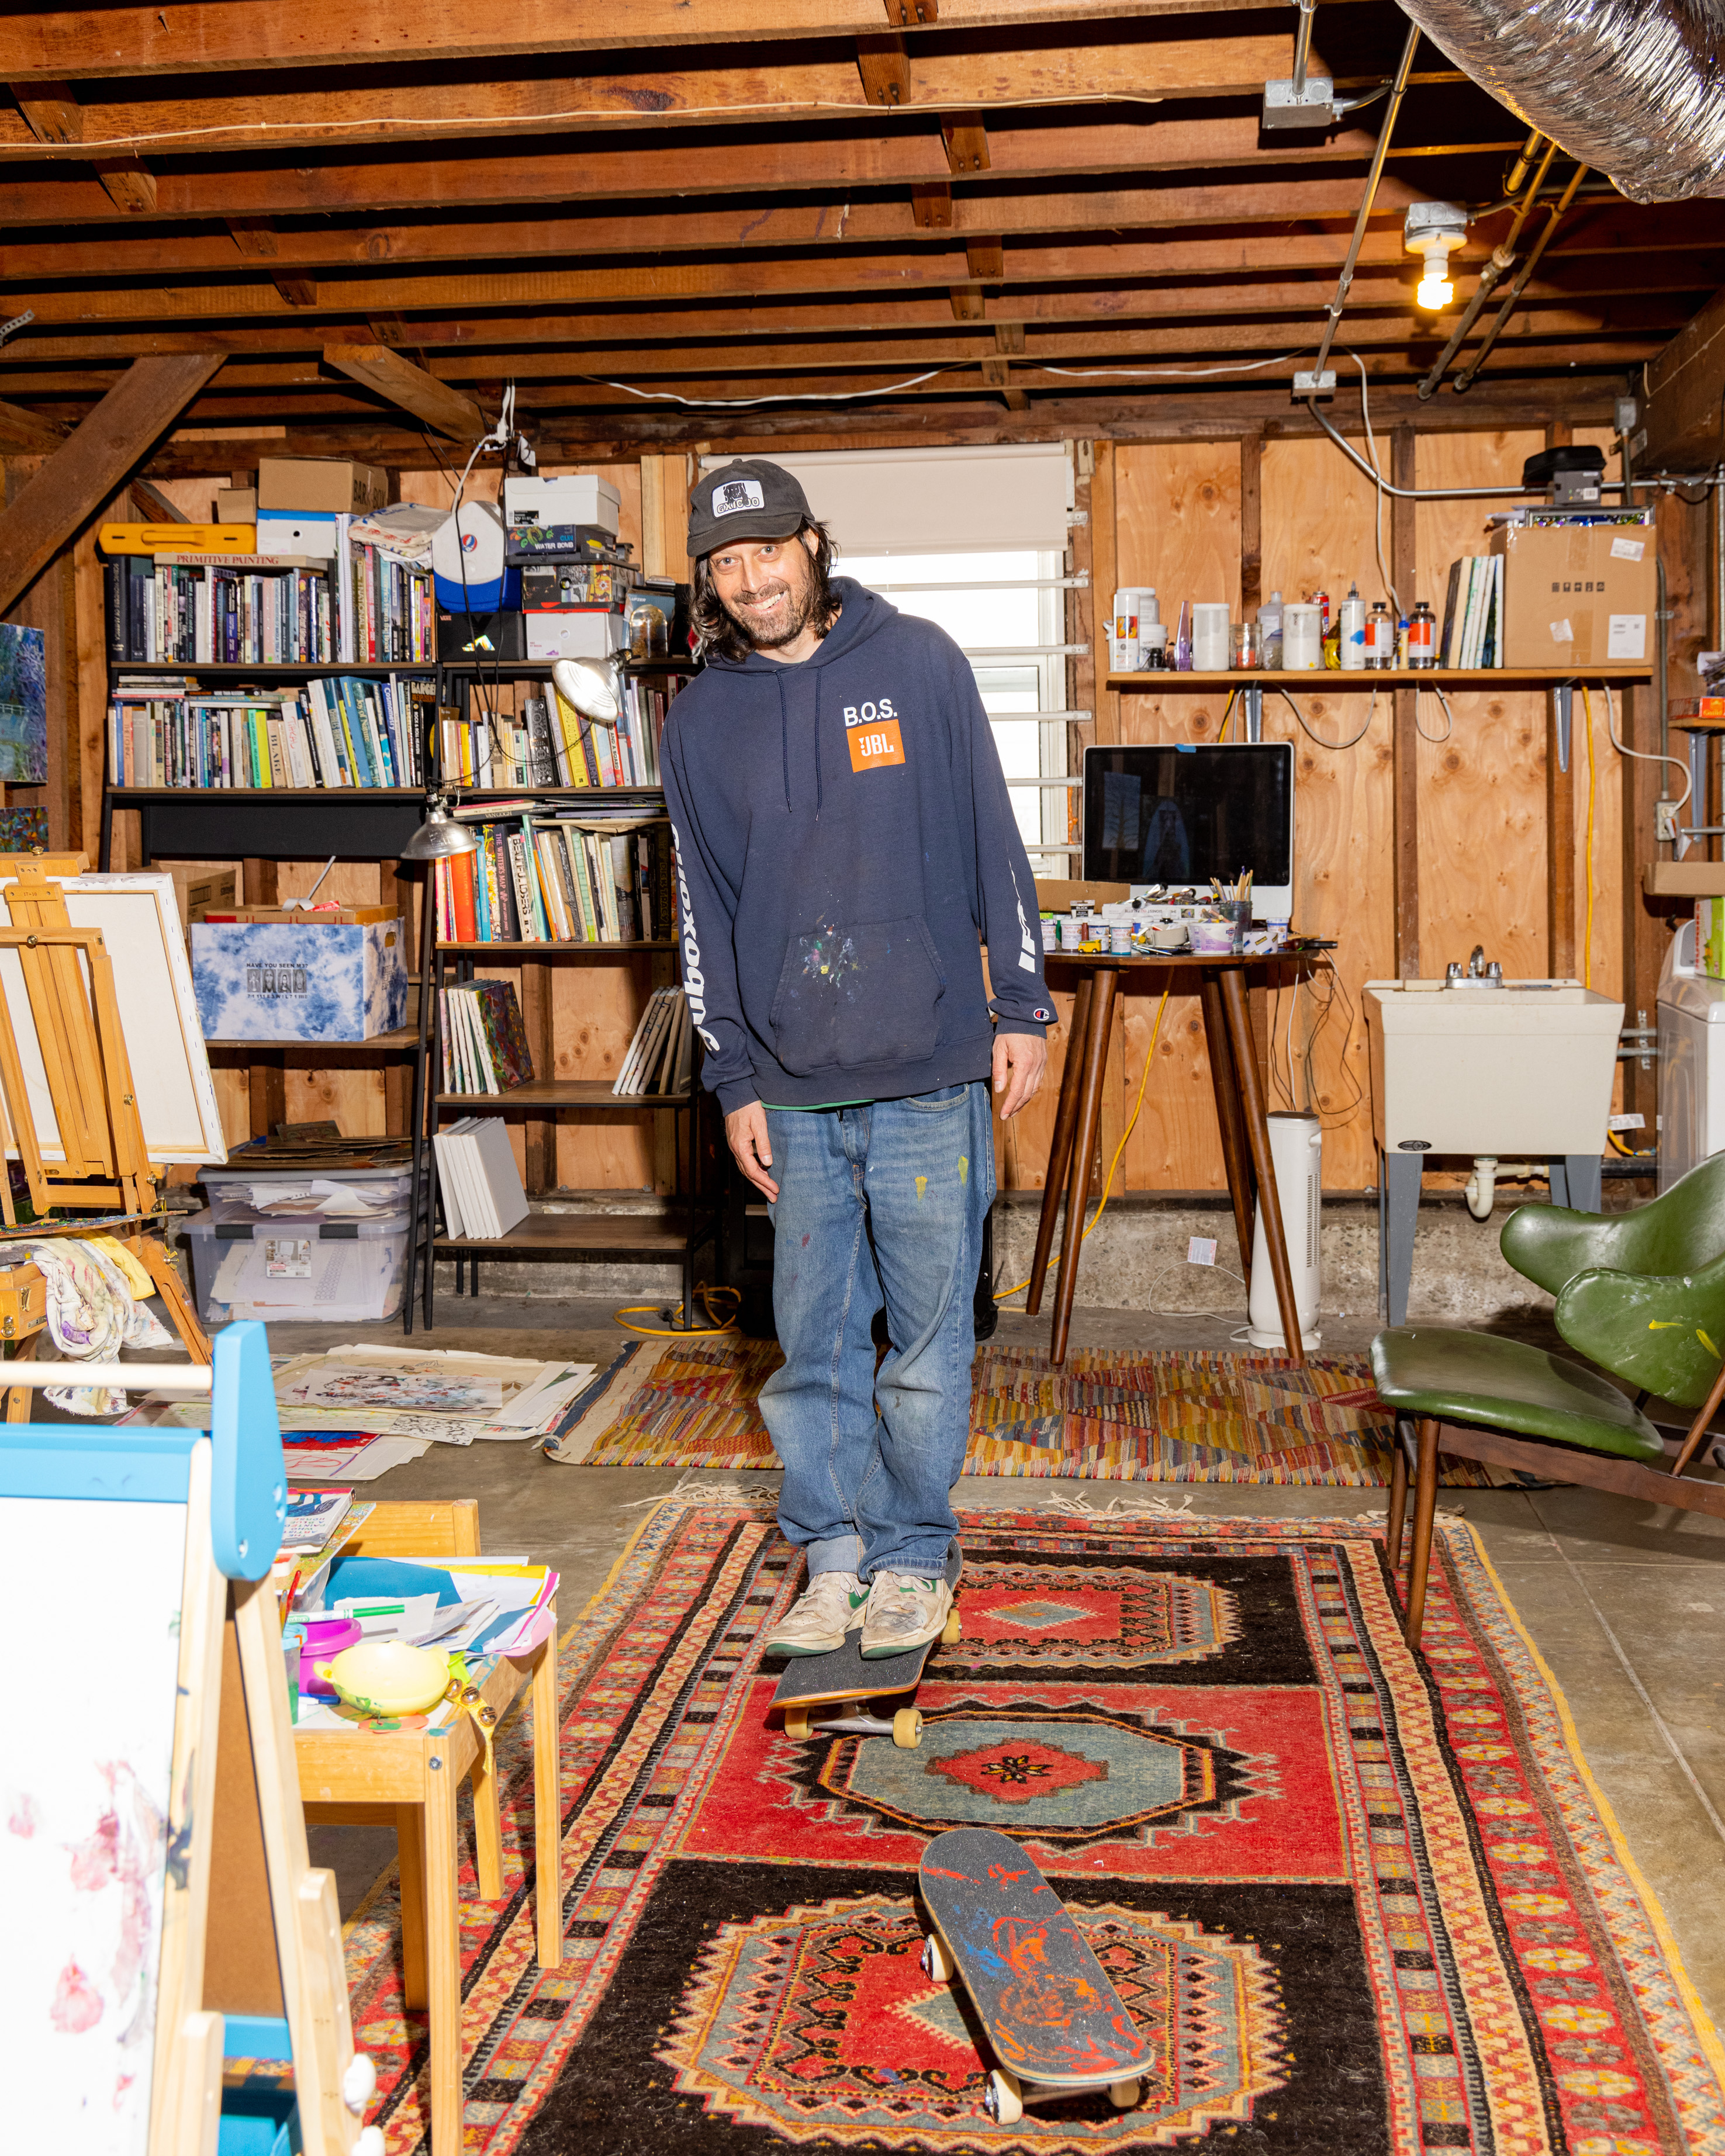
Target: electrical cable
(786, 396)
(704, 1296)
(1437, 740)
(1424, 493)
(1108, 1180)
(1353, 740)
(1365, 409)
(1586, 943)
(1648, 756)
(1227, 713)
(1229, 367)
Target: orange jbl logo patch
(873, 746)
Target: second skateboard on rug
(1054, 2020)
(842, 1678)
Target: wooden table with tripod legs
(1221, 984)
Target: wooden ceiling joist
(446, 410)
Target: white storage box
(298, 1272)
(298, 531)
(580, 633)
(342, 980)
(579, 498)
(273, 1193)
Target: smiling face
(769, 588)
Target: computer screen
(1164, 812)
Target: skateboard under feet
(842, 1678)
(1054, 2020)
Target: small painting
(23, 706)
(23, 831)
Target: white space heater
(1296, 1149)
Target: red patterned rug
(1360, 1904)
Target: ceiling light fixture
(1431, 229)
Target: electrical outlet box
(1665, 823)
(1200, 1250)
(1316, 107)
(1313, 384)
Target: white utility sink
(1480, 1068)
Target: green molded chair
(1549, 1245)
(1485, 1398)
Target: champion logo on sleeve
(1043, 1016)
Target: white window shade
(937, 501)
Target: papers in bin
(418, 1619)
(504, 1603)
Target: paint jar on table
(1246, 647)
(1301, 637)
(1213, 939)
(1152, 646)
(1210, 626)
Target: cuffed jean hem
(843, 1555)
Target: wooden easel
(249, 1932)
(69, 979)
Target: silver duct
(1633, 88)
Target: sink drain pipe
(1481, 1184)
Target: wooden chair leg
(547, 1806)
(1425, 1513)
(153, 1256)
(487, 1831)
(410, 1861)
(443, 1966)
(1398, 1507)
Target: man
(845, 842)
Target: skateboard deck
(812, 1681)
(1054, 2021)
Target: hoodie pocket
(865, 992)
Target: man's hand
(745, 1131)
(1018, 1062)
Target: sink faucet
(1476, 963)
(1477, 970)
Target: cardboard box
(198, 890)
(305, 532)
(339, 916)
(577, 498)
(236, 505)
(1684, 879)
(583, 633)
(321, 483)
(1578, 594)
(305, 977)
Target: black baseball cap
(749, 499)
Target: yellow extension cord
(1108, 1182)
(704, 1296)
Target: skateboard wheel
(1123, 2095)
(937, 1964)
(796, 1725)
(907, 1728)
(953, 1631)
(1004, 2102)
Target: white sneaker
(831, 1605)
(904, 1611)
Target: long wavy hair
(716, 632)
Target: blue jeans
(881, 1203)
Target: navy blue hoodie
(845, 844)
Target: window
(1006, 611)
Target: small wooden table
(408, 1779)
(1241, 1114)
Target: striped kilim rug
(1168, 1415)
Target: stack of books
(565, 879)
(548, 743)
(345, 731)
(1473, 612)
(661, 1056)
(485, 1043)
(478, 1180)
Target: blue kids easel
(153, 1861)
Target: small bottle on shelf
(1422, 636)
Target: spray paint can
(1354, 631)
(1123, 634)
(1321, 600)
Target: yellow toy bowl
(387, 1677)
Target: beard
(767, 626)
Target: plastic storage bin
(296, 1271)
(231, 1190)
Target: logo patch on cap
(738, 494)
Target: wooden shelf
(1167, 683)
(541, 1095)
(122, 794)
(552, 949)
(274, 670)
(460, 792)
(565, 1235)
(404, 1040)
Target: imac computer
(1166, 813)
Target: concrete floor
(1624, 1600)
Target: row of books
(262, 609)
(345, 731)
(1473, 612)
(550, 744)
(558, 880)
(484, 1040)
(660, 1058)
(477, 1180)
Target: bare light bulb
(1435, 291)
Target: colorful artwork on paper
(23, 831)
(84, 1803)
(23, 706)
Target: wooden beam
(445, 410)
(130, 185)
(1684, 387)
(208, 36)
(835, 156)
(29, 432)
(1560, 813)
(1251, 523)
(931, 205)
(985, 260)
(884, 68)
(258, 241)
(1404, 565)
(51, 111)
(84, 471)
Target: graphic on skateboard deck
(1054, 2021)
(842, 1677)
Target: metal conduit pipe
(1628, 87)
(1398, 88)
(1302, 46)
(1554, 217)
(1502, 255)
